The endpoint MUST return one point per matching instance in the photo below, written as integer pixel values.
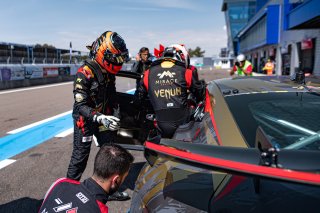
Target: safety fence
(16, 75)
(24, 75)
(13, 72)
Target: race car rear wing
(292, 165)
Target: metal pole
(28, 54)
(31, 48)
(11, 52)
(45, 54)
(70, 58)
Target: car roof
(265, 84)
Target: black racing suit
(94, 93)
(168, 84)
(66, 195)
(140, 67)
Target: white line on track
(33, 88)
(70, 131)
(6, 162)
(39, 122)
(65, 133)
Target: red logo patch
(73, 210)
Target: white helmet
(241, 57)
(177, 52)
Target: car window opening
(290, 120)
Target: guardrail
(23, 75)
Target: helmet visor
(116, 59)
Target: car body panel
(225, 125)
(173, 183)
(210, 166)
(273, 196)
(160, 194)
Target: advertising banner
(5, 74)
(306, 44)
(17, 73)
(64, 71)
(74, 69)
(14, 72)
(50, 72)
(33, 71)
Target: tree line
(197, 52)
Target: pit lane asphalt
(24, 183)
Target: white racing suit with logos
(168, 83)
(94, 93)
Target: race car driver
(167, 83)
(94, 101)
(111, 166)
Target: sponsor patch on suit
(87, 139)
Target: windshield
(291, 120)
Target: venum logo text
(168, 93)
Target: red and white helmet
(177, 52)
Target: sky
(140, 23)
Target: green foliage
(196, 52)
(84, 57)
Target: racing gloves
(108, 121)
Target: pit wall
(24, 75)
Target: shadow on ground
(21, 205)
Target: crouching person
(111, 166)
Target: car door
(134, 123)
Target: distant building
(211, 62)
(237, 15)
(222, 63)
(286, 31)
(224, 60)
(224, 52)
